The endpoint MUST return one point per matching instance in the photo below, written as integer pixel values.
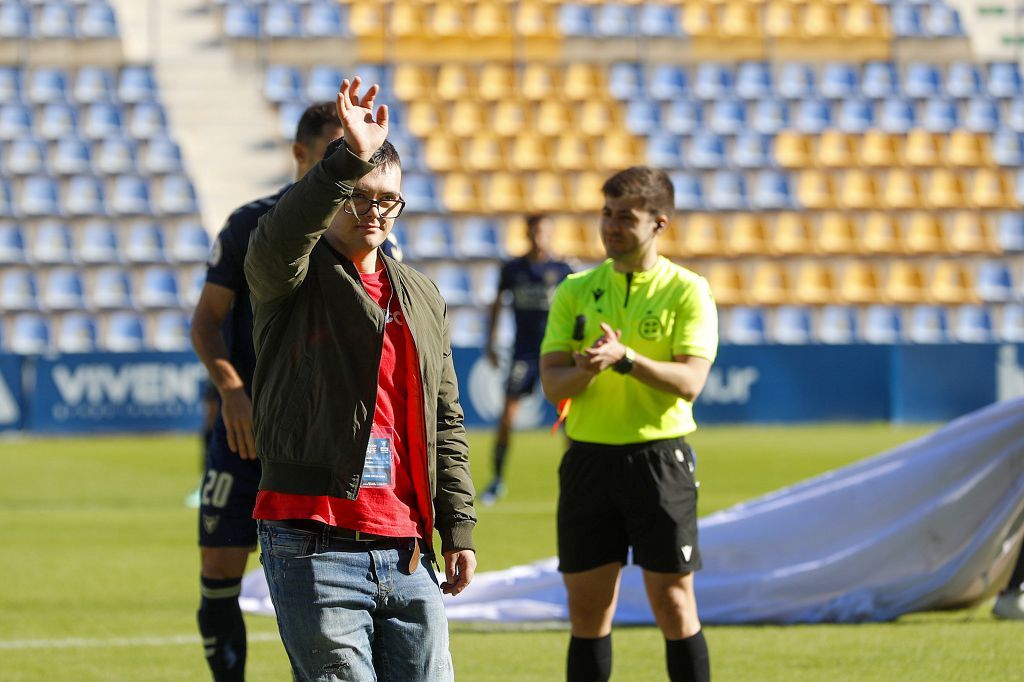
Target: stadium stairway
(214, 104)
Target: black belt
(333, 532)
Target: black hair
(386, 155)
(314, 119)
(652, 186)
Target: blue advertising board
(11, 396)
(93, 392)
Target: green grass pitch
(99, 570)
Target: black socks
(499, 461)
(590, 660)
(688, 659)
(222, 628)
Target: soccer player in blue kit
(530, 280)
(222, 337)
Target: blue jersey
(532, 285)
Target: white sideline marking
(96, 643)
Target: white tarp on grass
(932, 524)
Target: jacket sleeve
(279, 248)
(453, 499)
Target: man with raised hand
(649, 336)
(357, 420)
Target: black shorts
(227, 495)
(523, 375)
(641, 495)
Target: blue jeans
(346, 611)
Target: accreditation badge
(379, 465)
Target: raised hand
(365, 131)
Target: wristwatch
(625, 365)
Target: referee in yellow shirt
(631, 342)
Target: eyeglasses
(386, 208)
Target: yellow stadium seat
(815, 190)
(972, 232)
(859, 190)
(698, 19)
(508, 118)
(497, 81)
(815, 283)
(905, 283)
(740, 21)
(702, 235)
(820, 22)
(925, 234)
(728, 284)
(879, 149)
(770, 284)
(781, 20)
(583, 81)
(465, 118)
(859, 283)
(596, 117)
(968, 150)
(553, 117)
(618, 150)
(536, 19)
(901, 189)
(491, 20)
(748, 235)
(576, 237)
(991, 189)
(442, 153)
(407, 20)
(505, 193)
(366, 19)
(530, 153)
(586, 191)
(882, 233)
(866, 20)
(572, 153)
(412, 82)
(836, 149)
(423, 118)
(548, 192)
(952, 283)
(455, 81)
(462, 193)
(945, 190)
(792, 234)
(540, 81)
(793, 150)
(448, 20)
(485, 153)
(924, 149)
(837, 234)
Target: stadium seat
(924, 149)
(454, 81)
(981, 115)
(743, 326)
(50, 243)
(29, 334)
(84, 196)
(573, 153)
(115, 156)
(529, 152)
(728, 116)
(896, 115)
(943, 21)
(790, 325)
(753, 80)
(47, 85)
(682, 117)
(158, 288)
(838, 233)
(927, 324)
(100, 121)
(951, 283)
(1011, 232)
(18, 290)
(712, 81)
(478, 237)
(421, 193)
(144, 243)
(1010, 323)
(241, 22)
(147, 120)
(796, 81)
(177, 196)
(706, 152)
(12, 245)
(454, 283)
(882, 324)
(944, 190)
(770, 284)
(1008, 148)
(815, 190)
(39, 197)
(700, 234)
(882, 234)
(836, 150)
(922, 80)
(972, 232)
(7, 207)
(925, 234)
(814, 283)
(963, 80)
(940, 115)
(992, 189)
(97, 243)
(751, 151)
(57, 121)
(109, 287)
(548, 192)
(1015, 119)
(325, 20)
(15, 121)
(161, 156)
(441, 154)
(728, 284)
(972, 324)
(838, 80)
(190, 243)
(97, 21)
(281, 20)
(905, 282)
(791, 233)
(812, 115)
(469, 327)
(968, 150)
(727, 191)
(15, 22)
(769, 116)
(659, 21)
(836, 324)
(10, 80)
(71, 156)
(880, 80)
(191, 280)
(615, 20)
(431, 238)
(668, 82)
(643, 118)
(62, 290)
(859, 283)
(994, 281)
(76, 332)
(1004, 80)
(666, 151)
(25, 157)
(855, 115)
(129, 196)
(688, 190)
(282, 84)
(122, 332)
(626, 81)
(169, 330)
(505, 192)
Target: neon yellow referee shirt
(662, 312)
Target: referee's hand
(604, 352)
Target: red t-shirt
(401, 509)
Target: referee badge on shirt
(650, 328)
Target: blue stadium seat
(994, 281)
(665, 151)
(896, 115)
(981, 115)
(796, 81)
(97, 21)
(728, 116)
(772, 191)
(431, 238)
(12, 245)
(421, 193)
(158, 288)
(122, 332)
(626, 80)
(147, 120)
(288, 116)
(1004, 80)
(15, 121)
(110, 288)
(30, 334)
(855, 115)
(973, 324)
(7, 208)
(753, 80)
(1010, 325)
(15, 22)
(469, 327)
(668, 82)
(922, 80)
(706, 151)
(46, 85)
(101, 120)
(659, 21)
(18, 290)
(943, 21)
(71, 156)
(882, 324)
(26, 156)
(76, 333)
(906, 21)
(963, 79)
(927, 324)
(744, 326)
(190, 243)
(837, 324)
(326, 20)
(56, 21)
(57, 121)
(63, 290)
(839, 80)
(791, 325)
(169, 330)
(94, 84)
(880, 80)
(10, 84)
(161, 156)
(454, 283)
(144, 243)
(241, 22)
(115, 156)
(770, 116)
(129, 196)
(712, 80)
(39, 197)
(282, 20)
(576, 21)
(322, 83)
(1015, 119)
(479, 237)
(484, 280)
(682, 117)
(97, 243)
(84, 196)
(751, 150)
(727, 191)
(282, 83)
(50, 243)
(939, 115)
(616, 20)
(643, 117)
(813, 115)
(191, 281)
(1011, 231)
(688, 190)
(177, 196)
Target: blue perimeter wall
(127, 392)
